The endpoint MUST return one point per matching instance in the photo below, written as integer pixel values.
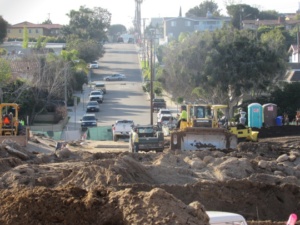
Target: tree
(48, 21)
(25, 38)
(88, 50)
(241, 12)
(268, 15)
(5, 75)
(88, 24)
(287, 98)
(203, 9)
(116, 30)
(3, 29)
(219, 67)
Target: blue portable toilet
(255, 115)
(269, 114)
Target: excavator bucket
(201, 138)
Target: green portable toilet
(269, 114)
(255, 115)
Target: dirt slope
(78, 185)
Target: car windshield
(100, 85)
(96, 93)
(93, 103)
(165, 112)
(88, 118)
(158, 100)
(145, 130)
(125, 121)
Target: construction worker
(183, 117)
(135, 140)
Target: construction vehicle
(242, 132)
(203, 130)
(10, 126)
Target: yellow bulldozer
(10, 127)
(203, 130)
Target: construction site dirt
(103, 183)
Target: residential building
(34, 30)
(176, 25)
(288, 24)
(293, 52)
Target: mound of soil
(76, 185)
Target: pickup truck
(158, 103)
(122, 128)
(149, 139)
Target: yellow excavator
(203, 130)
(10, 125)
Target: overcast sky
(37, 11)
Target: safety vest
(135, 137)
(183, 115)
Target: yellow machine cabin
(10, 119)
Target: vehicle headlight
(94, 123)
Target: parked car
(100, 86)
(120, 40)
(163, 112)
(96, 96)
(116, 76)
(94, 65)
(92, 106)
(88, 120)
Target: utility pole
(151, 81)
(144, 49)
(65, 73)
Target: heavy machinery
(10, 126)
(203, 130)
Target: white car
(96, 96)
(117, 76)
(163, 112)
(94, 65)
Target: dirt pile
(101, 206)
(258, 180)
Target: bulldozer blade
(201, 138)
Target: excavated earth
(92, 184)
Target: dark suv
(88, 120)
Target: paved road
(124, 99)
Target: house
(34, 30)
(287, 23)
(293, 52)
(176, 25)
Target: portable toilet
(269, 114)
(255, 116)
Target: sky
(123, 11)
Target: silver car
(92, 106)
(117, 76)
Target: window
(8, 31)
(37, 31)
(29, 31)
(173, 23)
(20, 31)
(187, 23)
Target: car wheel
(107, 79)
(119, 78)
(115, 138)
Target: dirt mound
(258, 180)
(101, 206)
